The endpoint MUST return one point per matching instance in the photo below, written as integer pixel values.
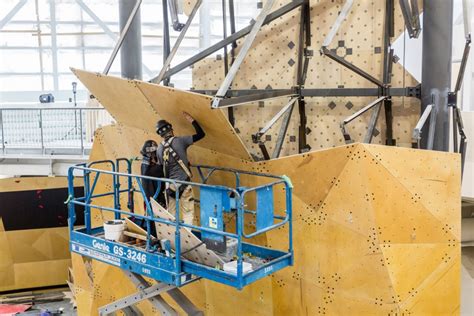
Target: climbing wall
(355, 241)
(376, 229)
(34, 250)
(272, 63)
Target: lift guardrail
(175, 266)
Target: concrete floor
(53, 308)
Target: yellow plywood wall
(34, 257)
(359, 212)
(376, 229)
(271, 62)
(360, 248)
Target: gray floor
(53, 308)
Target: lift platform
(220, 249)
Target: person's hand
(188, 117)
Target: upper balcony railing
(48, 130)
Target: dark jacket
(150, 187)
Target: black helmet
(163, 127)
(149, 148)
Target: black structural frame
(383, 87)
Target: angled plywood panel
(363, 214)
(141, 105)
(169, 103)
(416, 222)
(121, 98)
(421, 174)
(412, 267)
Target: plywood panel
(32, 258)
(141, 105)
(346, 262)
(122, 99)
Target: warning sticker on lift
(213, 222)
(96, 254)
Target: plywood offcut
(194, 249)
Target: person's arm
(199, 131)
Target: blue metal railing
(238, 193)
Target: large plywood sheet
(141, 105)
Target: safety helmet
(149, 148)
(163, 127)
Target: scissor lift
(178, 253)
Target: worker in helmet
(151, 168)
(172, 155)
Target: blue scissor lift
(188, 252)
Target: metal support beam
(265, 95)
(329, 92)
(97, 20)
(177, 26)
(123, 33)
(304, 54)
(12, 13)
(131, 34)
(411, 15)
(430, 111)
(224, 32)
(372, 123)
(281, 135)
(466, 10)
(436, 66)
(363, 110)
(346, 135)
(463, 141)
(157, 301)
(242, 53)
(346, 8)
(230, 110)
(181, 299)
(176, 45)
(263, 148)
(232, 30)
(387, 69)
(166, 37)
(462, 68)
(325, 51)
(234, 37)
(274, 119)
(54, 43)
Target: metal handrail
(115, 191)
(50, 128)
